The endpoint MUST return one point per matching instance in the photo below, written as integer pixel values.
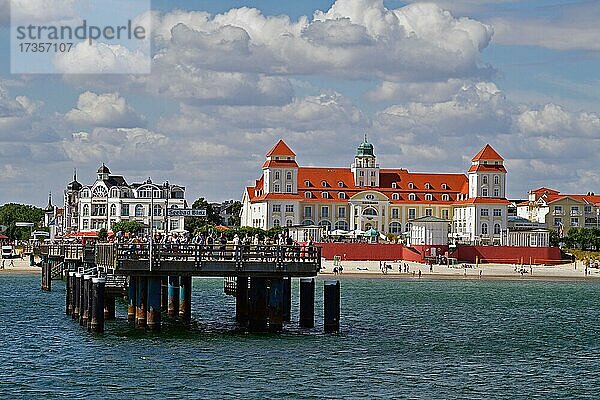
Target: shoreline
(21, 267)
(373, 275)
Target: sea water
(416, 338)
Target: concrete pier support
(307, 302)
(131, 299)
(173, 296)
(276, 304)
(76, 295)
(287, 299)
(331, 305)
(154, 303)
(109, 308)
(185, 298)
(69, 284)
(85, 313)
(257, 312)
(46, 276)
(97, 305)
(241, 300)
(141, 301)
(164, 293)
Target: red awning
(3, 236)
(82, 234)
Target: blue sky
(431, 84)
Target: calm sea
(414, 339)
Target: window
(484, 180)
(444, 186)
(557, 221)
(496, 180)
(86, 210)
(360, 183)
(428, 197)
(428, 186)
(340, 184)
(588, 209)
(113, 210)
(86, 224)
(445, 197)
(277, 175)
(484, 228)
(444, 214)
(485, 212)
(125, 210)
(288, 188)
(361, 173)
(85, 193)
(325, 212)
(114, 192)
(412, 213)
(157, 210)
(288, 175)
(575, 210)
(326, 224)
(289, 222)
(411, 185)
(139, 210)
(575, 221)
(342, 195)
(428, 212)
(324, 195)
(372, 173)
(496, 192)
(370, 211)
(98, 210)
(308, 195)
(324, 183)
(307, 183)
(343, 225)
(412, 197)
(395, 213)
(395, 196)
(100, 191)
(394, 185)
(277, 188)
(289, 208)
(307, 222)
(558, 210)
(276, 207)
(496, 229)
(276, 222)
(497, 212)
(484, 192)
(308, 211)
(395, 228)
(174, 224)
(341, 212)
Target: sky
(429, 82)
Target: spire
(366, 141)
(49, 207)
(74, 174)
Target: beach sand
(371, 269)
(20, 267)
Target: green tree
(102, 235)
(12, 213)
(235, 219)
(127, 226)
(554, 238)
(192, 224)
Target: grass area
(584, 254)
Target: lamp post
(151, 225)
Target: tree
(192, 224)
(235, 219)
(127, 226)
(554, 238)
(12, 213)
(102, 235)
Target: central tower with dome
(365, 168)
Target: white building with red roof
(366, 196)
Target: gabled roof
(281, 149)
(487, 153)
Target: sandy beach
(372, 269)
(20, 267)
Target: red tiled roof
(483, 200)
(487, 153)
(280, 149)
(280, 164)
(487, 168)
(543, 190)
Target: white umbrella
(338, 232)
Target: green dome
(365, 149)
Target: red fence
(508, 254)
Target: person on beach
(419, 273)
(480, 273)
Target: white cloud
(39, 11)
(99, 57)
(554, 119)
(103, 110)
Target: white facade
(110, 200)
(429, 231)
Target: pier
(157, 281)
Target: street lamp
(151, 225)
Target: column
(307, 302)
(185, 298)
(241, 300)
(173, 294)
(275, 304)
(154, 299)
(287, 299)
(97, 313)
(131, 299)
(85, 314)
(257, 313)
(141, 301)
(76, 297)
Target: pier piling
(154, 303)
(276, 304)
(69, 293)
(257, 312)
(307, 302)
(173, 294)
(185, 298)
(97, 305)
(76, 295)
(331, 305)
(241, 300)
(141, 301)
(131, 299)
(85, 314)
(287, 299)
(164, 293)
(109, 307)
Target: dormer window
(394, 185)
(411, 185)
(428, 197)
(324, 195)
(427, 185)
(485, 162)
(445, 197)
(340, 184)
(444, 186)
(277, 157)
(307, 183)
(324, 183)
(395, 196)
(412, 197)
(308, 195)
(342, 195)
